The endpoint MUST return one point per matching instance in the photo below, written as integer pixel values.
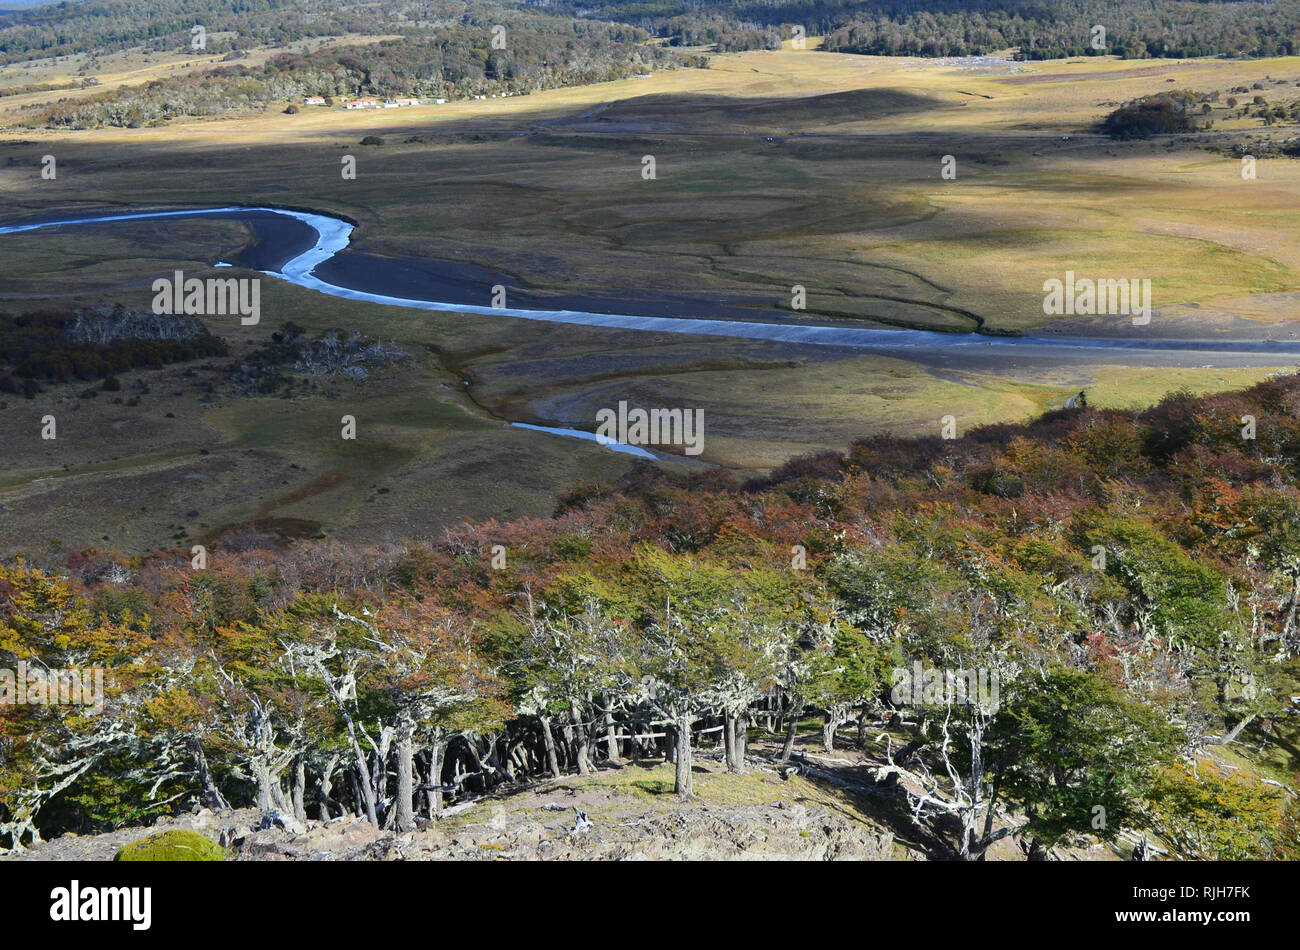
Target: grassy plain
(773, 169)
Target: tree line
(1134, 28)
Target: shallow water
(298, 259)
(622, 447)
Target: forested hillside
(886, 27)
(1050, 31)
(1128, 581)
(444, 63)
(979, 27)
(455, 49)
(63, 29)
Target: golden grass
(775, 168)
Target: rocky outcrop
(776, 831)
(773, 831)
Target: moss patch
(175, 845)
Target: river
(307, 249)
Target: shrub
(1161, 114)
(98, 343)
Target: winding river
(319, 267)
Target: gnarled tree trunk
(682, 753)
(611, 731)
(326, 786)
(791, 730)
(405, 755)
(733, 741)
(580, 742)
(299, 788)
(437, 751)
(210, 796)
(548, 740)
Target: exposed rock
(610, 816)
(690, 832)
(287, 823)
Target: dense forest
(1130, 580)
(1133, 28)
(1048, 31)
(979, 27)
(63, 29)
